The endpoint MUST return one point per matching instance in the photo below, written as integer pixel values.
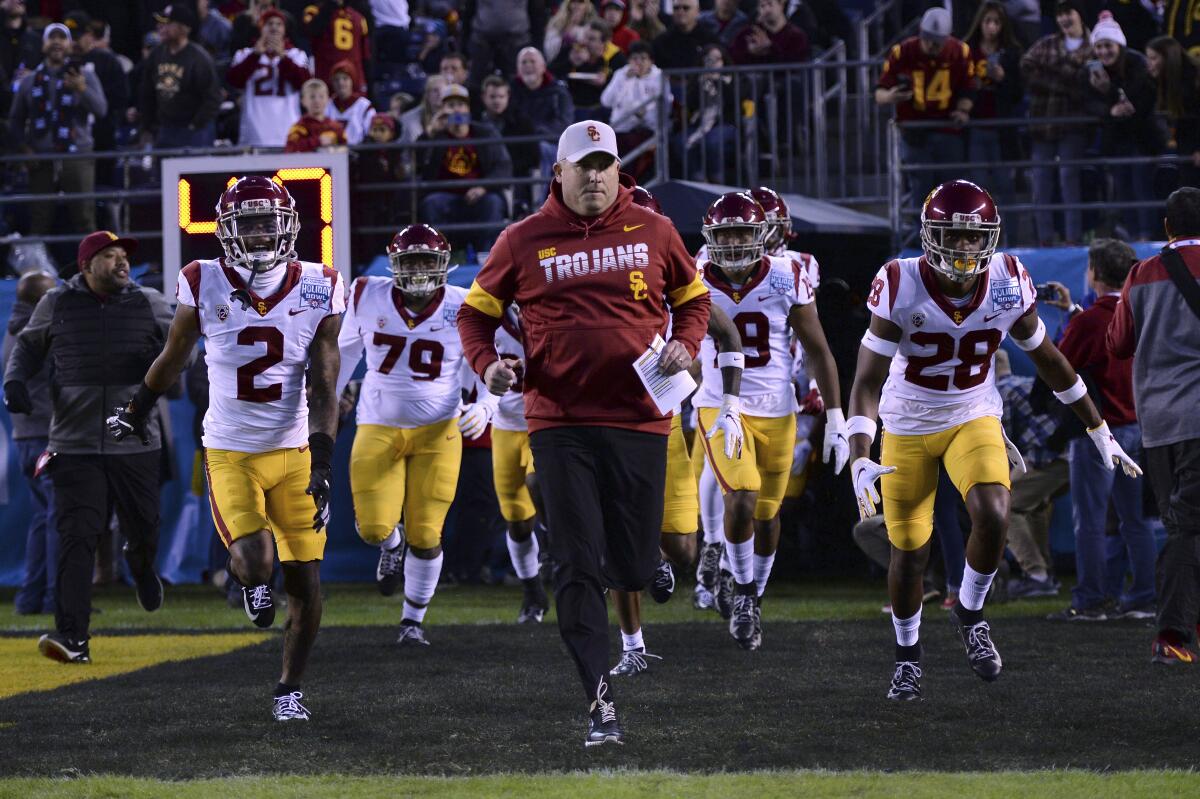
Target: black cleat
(981, 652)
(906, 682)
(57, 646)
(259, 605)
(708, 567)
(535, 604)
(603, 726)
(411, 634)
(288, 707)
(633, 661)
(723, 596)
(148, 588)
(741, 621)
(663, 584)
(389, 572)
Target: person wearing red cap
(97, 333)
(270, 75)
(347, 105)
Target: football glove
(1016, 464)
(475, 418)
(1111, 452)
(811, 404)
(864, 472)
(16, 397)
(320, 477)
(729, 422)
(837, 443)
(126, 422)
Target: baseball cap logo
(592, 133)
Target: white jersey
(807, 261)
(356, 118)
(942, 373)
(759, 310)
(270, 103)
(510, 414)
(413, 360)
(257, 355)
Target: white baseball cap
(586, 137)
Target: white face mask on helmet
(419, 273)
(735, 258)
(960, 265)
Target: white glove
(837, 443)
(1111, 452)
(729, 422)
(1016, 464)
(475, 418)
(864, 472)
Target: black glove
(131, 419)
(16, 397)
(320, 479)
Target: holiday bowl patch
(315, 292)
(1006, 294)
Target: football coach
(596, 277)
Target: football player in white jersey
(408, 447)
(936, 323)
(768, 299)
(267, 317)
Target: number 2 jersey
(413, 360)
(257, 355)
(759, 309)
(942, 373)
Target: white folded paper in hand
(667, 391)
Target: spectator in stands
(635, 100)
(545, 101)
(1177, 74)
(179, 95)
(997, 58)
(1138, 20)
(709, 137)
(929, 77)
(495, 31)
(270, 75)
(1120, 91)
(398, 103)
(499, 113)
(30, 432)
(589, 66)
(51, 114)
(347, 106)
(680, 45)
(1046, 478)
(245, 24)
(1157, 323)
(20, 47)
(1094, 484)
(377, 208)
(616, 14)
(567, 26)
(1052, 70)
(416, 121)
(453, 67)
(390, 20)
(215, 34)
(462, 160)
(726, 19)
(644, 19)
(1026, 16)
(822, 21)
(315, 130)
(338, 33)
(429, 42)
(771, 39)
(92, 44)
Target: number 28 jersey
(759, 309)
(257, 355)
(942, 374)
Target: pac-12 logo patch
(315, 292)
(918, 319)
(381, 322)
(222, 313)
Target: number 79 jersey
(257, 355)
(942, 374)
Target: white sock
(393, 540)
(974, 588)
(633, 641)
(420, 581)
(907, 630)
(524, 556)
(762, 571)
(712, 507)
(741, 560)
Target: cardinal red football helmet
(257, 223)
(644, 198)
(734, 210)
(419, 258)
(959, 205)
(779, 221)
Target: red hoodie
(593, 294)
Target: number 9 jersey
(942, 375)
(257, 355)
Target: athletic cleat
(532, 610)
(148, 589)
(57, 646)
(906, 682)
(411, 634)
(633, 661)
(288, 707)
(389, 572)
(708, 567)
(663, 584)
(603, 726)
(723, 598)
(756, 639)
(259, 605)
(981, 652)
(741, 620)
(702, 598)
(1169, 653)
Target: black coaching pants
(87, 489)
(603, 490)
(1174, 474)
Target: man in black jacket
(98, 333)
(179, 94)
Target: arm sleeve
(299, 140)
(804, 289)
(293, 68)
(17, 116)
(687, 296)
(887, 76)
(1122, 332)
(350, 344)
(479, 317)
(881, 299)
(1080, 341)
(209, 90)
(147, 96)
(965, 84)
(242, 68)
(93, 95)
(33, 342)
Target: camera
(458, 118)
(1046, 292)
